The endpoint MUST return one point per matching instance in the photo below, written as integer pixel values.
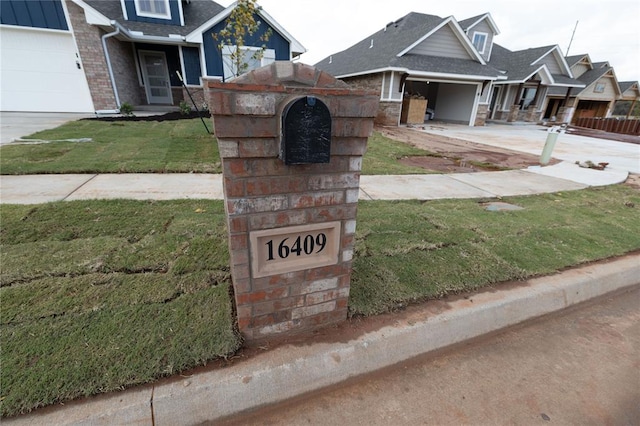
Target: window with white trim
(251, 59)
(480, 41)
(153, 8)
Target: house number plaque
(294, 248)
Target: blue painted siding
(173, 59)
(213, 56)
(174, 8)
(33, 13)
(192, 69)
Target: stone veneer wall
(263, 193)
(481, 115)
(388, 112)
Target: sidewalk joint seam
(78, 188)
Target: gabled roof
(574, 59)
(628, 88)
(599, 70)
(389, 49)
(469, 23)
(626, 85)
(195, 14)
(520, 66)
(199, 16)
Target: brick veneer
(261, 192)
(89, 43)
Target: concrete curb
(290, 371)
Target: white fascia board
(492, 23)
(374, 71)
(566, 85)
(543, 55)
(462, 37)
(424, 37)
(459, 34)
(422, 74)
(92, 16)
(450, 77)
(196, 35)
(294, 45)
(557, 53)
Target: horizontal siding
(33, 13)
(552, 64)
(608, 94)
(443, 43)
(579, 69)
(483, 27)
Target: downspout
(110, 69)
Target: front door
(156, 77)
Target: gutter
(110, 68)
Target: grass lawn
(100, 295)
(117, 147)
(180, 146)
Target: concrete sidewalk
(35, 189)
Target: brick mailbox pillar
(291, 139)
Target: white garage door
(39, 72)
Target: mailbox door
(306, 132)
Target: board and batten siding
(47, 14)
(443, 43)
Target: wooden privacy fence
(613, 125)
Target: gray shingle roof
(196, 13)
(466, 23)
(626, 85)
(587, 79)
(517, 64)
(380, 50)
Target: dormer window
(480, 41)
(153, 8)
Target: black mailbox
(306, 132)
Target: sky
(607, 30)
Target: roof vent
(330, 59)
(371, 46)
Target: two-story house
(456, 66)
(94, 55)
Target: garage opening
(448, 102)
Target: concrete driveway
(15, 125)
(531, 139)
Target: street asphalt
(287, 371)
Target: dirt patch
(633, 181)
(459, 156)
